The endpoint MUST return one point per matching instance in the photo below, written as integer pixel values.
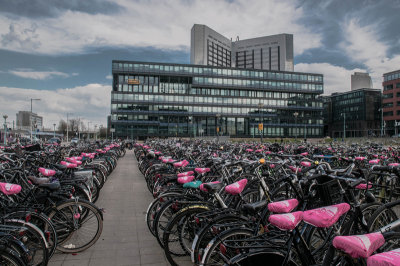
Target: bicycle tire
(178, 220)
(381, 217)
(9, 258)
(65, 215)
(205, 235)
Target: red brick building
(391, 102)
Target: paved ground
(125, 239)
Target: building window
(397, 85)
(386, 105)
(388, 87)
(388, 96)
(388, 113)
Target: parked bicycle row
(47, 199)
(248, 204)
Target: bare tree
(62, 127)
(103, 132)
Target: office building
(24, 118)
(360, 80)
(391, 102)
(169, 100)
(209, 47)
(356, 112)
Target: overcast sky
(61, 50)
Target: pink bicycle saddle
(236, 187)
(202, 170)
(286, 221)
(283, 206)
(185, 173)
(185, 179)
(359, 246)
(390, 258)
(325, 216)
(46, 172)
(10, 189)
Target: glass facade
(357, 111)
(217, 55)
(157, 99)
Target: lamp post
(88, 130)
(296, 114)
(382, 126)
(54, 130)
(5, 129)
(95, 132)
(218, 116)
(79, 133)
(344, 125)
(261, 124)
(67, 124)
(32, 115)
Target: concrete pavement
(126, 239)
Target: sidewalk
(126, 239)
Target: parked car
(75, 140)
(54, 140)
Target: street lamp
(95, 132)
(382, 125)
(54, 130)
(296, 114)
(5, 129)
(260, 125)
(67, 124)
(344, 125)
(32, 115)
(88, 129)
(218, 116)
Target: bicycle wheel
(78, 224)
(383, 216)
(33, 239)
(216, 253)
(179, 235)
(9, 258)
(262, 257)
(164, 215)
(43, 223)
(155, 206)
(208, 232)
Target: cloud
(21, 38)
(39, 75)
(52, 8)
(336, 78)
(159, 24)
(362, 44)
(90, 102)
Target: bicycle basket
(328, 192)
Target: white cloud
(362, 44)
(109, 77)
(90, 103)
(336, 78)
(161, 24)
(39, 75)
